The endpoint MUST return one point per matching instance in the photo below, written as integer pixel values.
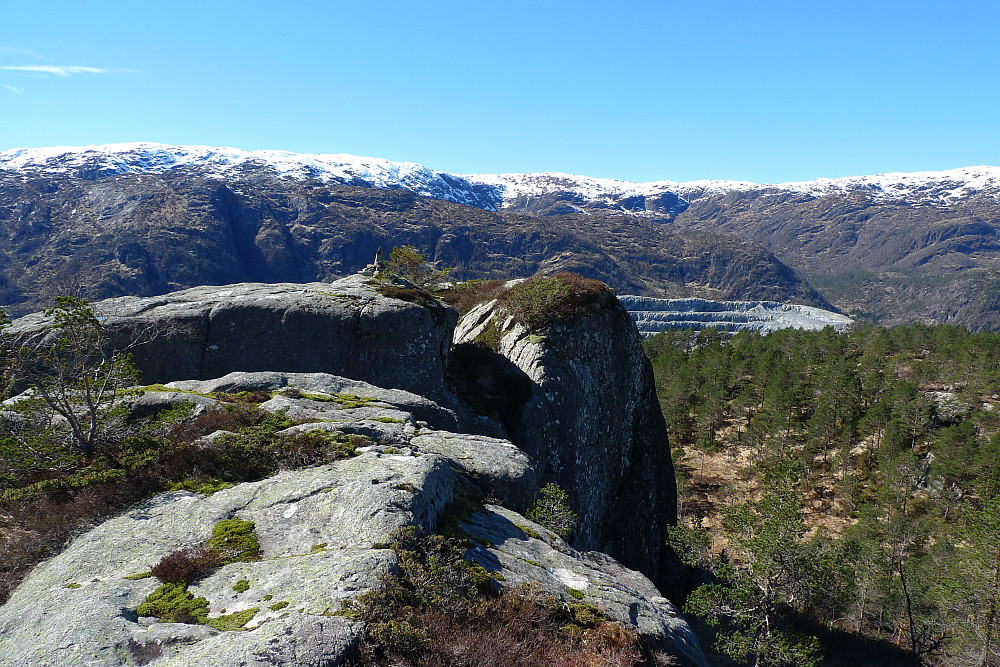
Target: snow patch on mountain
(933, 188)
(146, 158)
(488, 191)
(514, 187)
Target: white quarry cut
(653, 315)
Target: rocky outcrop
(526, 553)
(591, 421)
(345, 328)
(341, 357)
(323, 532)
(653, 315)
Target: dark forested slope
(145, 234)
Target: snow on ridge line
(535, 184)
(483, 190)
(139, 158)
(943, 185)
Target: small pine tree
(552, 510)
(410, 264)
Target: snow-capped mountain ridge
(139, 158)
(489, 191)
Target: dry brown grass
(514, 630)
(465, 296)
(723, 479)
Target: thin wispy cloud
(65, 70)
(13, 89)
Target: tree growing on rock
(410, 264)
(75, 381)
(552, 510)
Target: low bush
(233, 541)
(249, 397)
(421, 297)
(188, 564)
(543, 301)
(441, 610)
(466, 295)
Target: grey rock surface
(500, 468)
(526, 553)
(322, 532)
(593, 424)
(343, 327)
(653, 315)
(319, 530)
(333, 386)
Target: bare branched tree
(76, 377)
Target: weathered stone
(319, 529)
(523, 552)
(345, 327)
(310, 409)
(384, 433)
(322, 532)
(150, 403)
(593, 424)
(502, 470)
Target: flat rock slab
(322, 532)
(524, 552)
(423, 409)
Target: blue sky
(758, 91)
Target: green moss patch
(346, 401)
(241, 586)
(205, 488)
(235, 541)
(529, 531)
(176, 604)
(388, 420)
(279, 605)
(235, 621)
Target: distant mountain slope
(126, 231)
(929, 252)
(892, 247)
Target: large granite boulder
(344, 327)
(321, 531)
(342, 357)
(592, 423)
